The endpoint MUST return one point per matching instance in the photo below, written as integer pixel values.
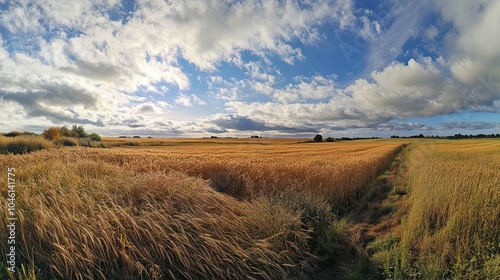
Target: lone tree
(318, 138)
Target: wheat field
(255, 209)
(337, 171)
(451, 221)
(189, 211)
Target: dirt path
(374, 218)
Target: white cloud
(477, 48)
(99, 53)
(415, 89)
(188, 100)
(196, 28)
(316, 87)
(371, 29)
(83, 62)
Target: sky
(187, 68)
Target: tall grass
(23, 144)
(125, 213)
(338, 172)
(88, 218)
(452, 229)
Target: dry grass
(452, 229)
(114, 213)
(23, 144)
(338, 171)
(89, 219)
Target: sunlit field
(336, 171)
(256, 209)
(452, 227)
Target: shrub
(318, 138)
(85, 142)
(67, 132)
(66, 141)
(329, 139)
(80, 131)
(23, 144)
(95, 137)
(52, 133)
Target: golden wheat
(453, 224)
(337, 171)
(125, 213)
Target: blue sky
(241, 68)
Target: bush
(52, 133)
(68, 133)
(23, 144)
(66, 141)
(318, 138)
(329, 139)
(95, 137)
(80, 131)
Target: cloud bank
(195, 67)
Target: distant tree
(52, 133)
(80, 131)
(318, 138)
(329, 139)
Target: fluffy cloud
(188, 100)
(90, 54)
(99, 62)
(415, 89)
(477, 48)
